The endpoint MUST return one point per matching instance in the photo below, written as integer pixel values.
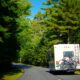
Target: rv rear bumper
(70, 70)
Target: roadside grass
(13, 74)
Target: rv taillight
(57, 62)
(78, 61)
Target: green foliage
(62, 19)
(10, 12)
(29, 52)
(29, 40)
(24, 38)
(58, 24)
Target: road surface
(39, 73)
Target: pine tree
(63, 20)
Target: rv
(64, 57)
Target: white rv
(64, 57)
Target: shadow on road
(22, 66)
(61, 73)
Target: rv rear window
(68, 54)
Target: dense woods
(27, 40)
(11, 14)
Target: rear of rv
(66, 57)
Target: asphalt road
(39, 73)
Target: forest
(25, 40)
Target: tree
(29, 40)
(10, 12)
(24, 39)
(39, 30)
(62, 19)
